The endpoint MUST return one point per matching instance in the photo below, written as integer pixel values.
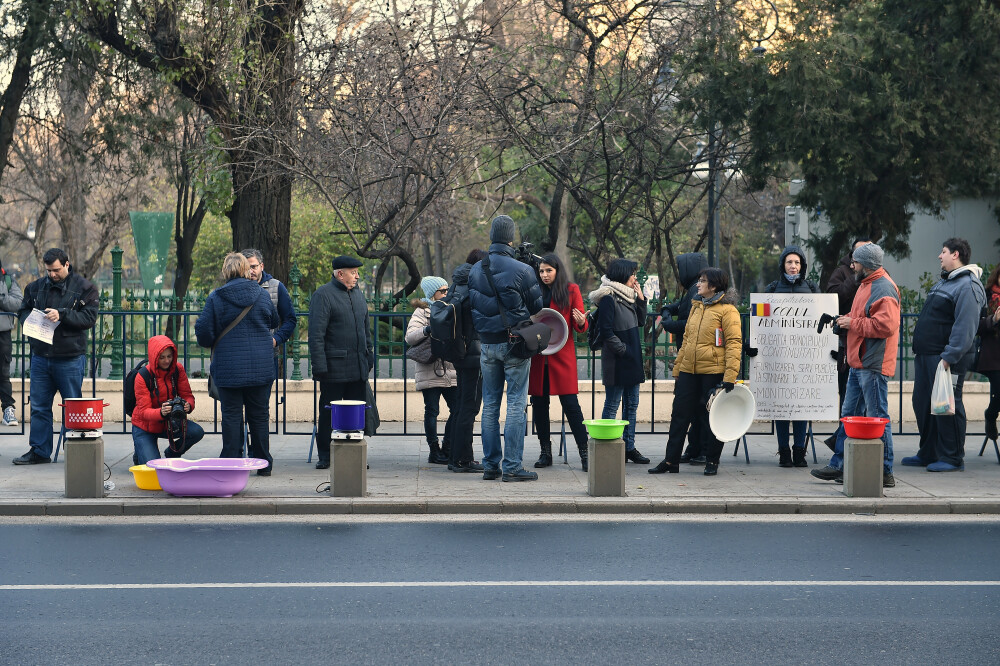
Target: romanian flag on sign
(760, 309)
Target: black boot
(545, 459)
(436, 457)
(583, 457)
(784, 458)
(799, 456)
(991, 425)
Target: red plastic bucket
(84, 413)
(864, 427)
(347, 415)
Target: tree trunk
(261, 216)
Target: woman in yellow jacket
(710, 355)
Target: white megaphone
(560, 331)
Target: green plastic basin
(605, 428)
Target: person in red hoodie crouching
(156, 386)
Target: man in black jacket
(340, 346)
(71, 301)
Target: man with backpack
(451, 318)
(150, 393)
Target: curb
(463, 506)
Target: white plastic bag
(942, 394)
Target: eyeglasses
(701, 281)
(442, 290)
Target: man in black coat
(70, 301)
(340, 346)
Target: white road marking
(511, 583)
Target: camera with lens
(523, 254)
(176, 417)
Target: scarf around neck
(624, 291)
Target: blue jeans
(628, 398)
(498, 367)
(49, 375)
(146, 447)
(867, 394)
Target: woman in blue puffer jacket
(243, 359)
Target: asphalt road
(887, 592)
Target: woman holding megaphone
(555, 374)
(709, 356)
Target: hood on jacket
(727, 297)
(419, 304)
(792, 249)
(157, 344)
(972, 268)
(461, 274)
(689, 265)
(240, 292)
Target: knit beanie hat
(429, 284)
(870, 256)
(502, 230)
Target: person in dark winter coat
(470, 381)
(791, 281)
(243, 359)
(555, 374)
(279, 299)
(621, 314)
(71, 300)
(946, 332)
(10, 302)
(844, 284)
(688, 267)
(989, 349)
(149, 417)
(517, 288)
(340, 346)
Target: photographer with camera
(163, 399)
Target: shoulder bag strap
(232, 325)
(496, 294)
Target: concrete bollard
(349, 468)
(606, 467)
(863, 467)
(84, 467)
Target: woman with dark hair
(710, 355)
(555, 374)
(470, 381)
(989, 349)
(621, 313)
(791, 280)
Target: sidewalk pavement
(400, 481)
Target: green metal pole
(117, 351)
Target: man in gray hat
(340, 346)
(517, 287)
(872, 328)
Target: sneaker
(828, 473)
(322, 464)
(30, 458)
(913, 461)
(888, 480)
(698, 460)
(636, 457)
(520, 475)
(941, 466)
(8, 417)
(711, 469)
(491, 474)
(471, 466)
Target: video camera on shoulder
(523, 254)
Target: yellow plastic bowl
(145, 477)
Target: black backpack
(147, 376)
(594, 339)
(447, 327)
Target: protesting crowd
(474, 343)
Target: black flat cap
(345, 261)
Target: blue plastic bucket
(347, 415)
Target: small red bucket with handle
(84, 413)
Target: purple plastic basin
(205, 477)
(347, 415)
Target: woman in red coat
(556, 374)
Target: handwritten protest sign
(793, 376)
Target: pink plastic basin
(205, 477)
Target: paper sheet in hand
(39, 327)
